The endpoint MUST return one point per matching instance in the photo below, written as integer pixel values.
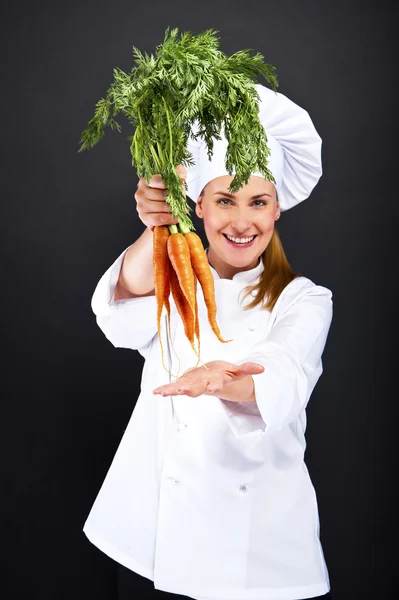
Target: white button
(172, 480)
(252, 327)
(253, 293)
(181, 426)
(243, 489)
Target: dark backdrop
(67, 216)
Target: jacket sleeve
(291, 355)
(129, 323)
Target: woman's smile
(245, 242)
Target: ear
(278, 204)
(198, 208)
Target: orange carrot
(179, 254)
(161, 278)
(199, 261)
(167, 288)
(170, 272)
(197, 330)
(183, 307)
(160, 265)
(167, 293)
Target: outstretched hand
(211, 380)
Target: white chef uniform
(210, 498)
(206, 497)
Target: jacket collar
(247, 277)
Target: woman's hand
(151, 206)
(216, 380)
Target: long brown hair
(276, 275)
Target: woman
(208, 495)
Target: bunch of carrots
(179, 261)
(187, 81)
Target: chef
(208, 494)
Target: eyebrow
(233, 196)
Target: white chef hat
(294, 144)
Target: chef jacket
(206, 497)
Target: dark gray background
(66, 217)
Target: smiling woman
(223, 443)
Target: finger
(154, 213)
(161, 219)
(215, 384)
(158, 390)
(152, 220)
(156, 181)
(193, 391)
(192, 387)
(248, 368)
(172, 390)
(164, 391)
(148, 194)
(181, 171)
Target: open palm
(209, 379)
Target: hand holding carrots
(151, 206)
(179, 258)
(211, 379)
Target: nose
(241, 224)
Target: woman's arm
(127, 320)
(124, 300)
(136, 277)
(291, 355)
(272, 384)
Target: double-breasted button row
(242, 489)
(180, 427)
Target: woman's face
(251, 211)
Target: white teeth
(240, 240)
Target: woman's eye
(263, 203)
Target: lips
(240, 245)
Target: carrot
(183, 307)
(167, 294)
(167, 290)
(201, 269)
(179, 254)
(169, 272)
(197, 331)
(161, 267)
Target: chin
(238, 261)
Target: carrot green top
(188, 80)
